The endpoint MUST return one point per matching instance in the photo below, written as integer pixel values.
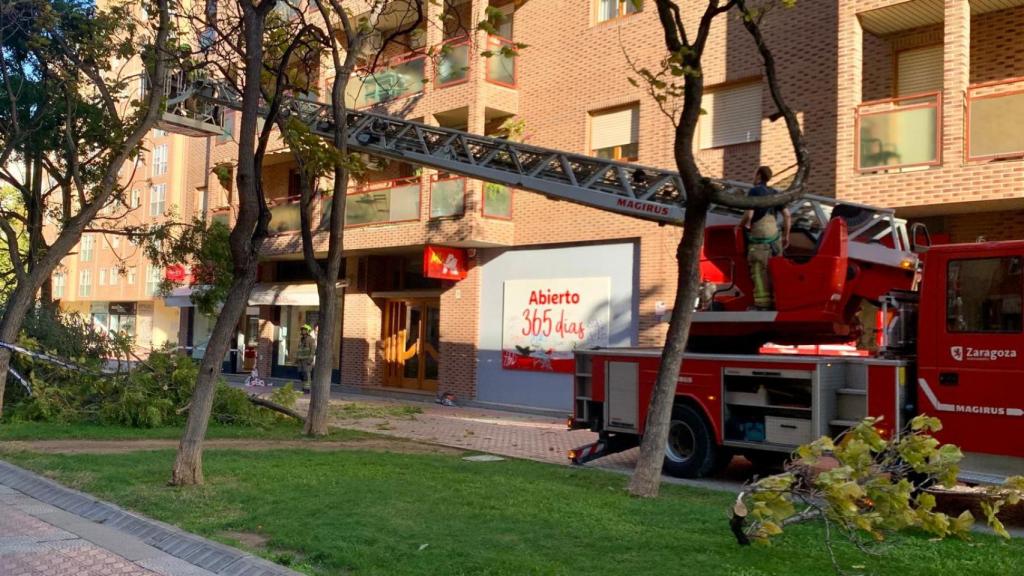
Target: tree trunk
(646, 478)
(188, 466)
(320, 395)
(18, 305)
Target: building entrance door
(412, 342)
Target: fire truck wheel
(690, 451)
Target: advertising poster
(546, 319)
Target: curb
(198, 551)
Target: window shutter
(616, 128)
(733, 116)
(919, 70)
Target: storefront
(114, 317)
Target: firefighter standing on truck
(764, 239)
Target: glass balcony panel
(393, 204)
(501, 68)
(899, 137)
(453, 65)
(991, 134)
(497, 200)
(447, 197)
(387, 84)
(285, 218)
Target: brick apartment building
(918, 105)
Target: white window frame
(86, 248)
(131, 275)
(102, 279)
(114, 276)
(152, 280)
(59, 284)
(157, 202)
(160, 160)
(85, 283)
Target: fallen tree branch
(276, 407)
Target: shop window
(984, 295)
(732, 116)
(611, 9)
(919, 70)
(615, 134)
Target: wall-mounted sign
(444, 263)
(546, 319)
(176, 273)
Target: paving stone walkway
(49, 530)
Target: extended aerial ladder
(875, 238)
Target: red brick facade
(829, 64)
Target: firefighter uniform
(763, 242)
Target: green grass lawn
(284, 430)
(358, 512)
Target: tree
(685, 54)
(863, 487)
(69, 122)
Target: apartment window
(59, 283)
(733, 116)
(158, 133)
(611, 9)
(160, 160)
(115, 241)
(157, 199)
(103, 277)
(228, 128)
(614, 134)
(85, 251)
(113, 276)
(136, 199)
(85, 283)
(919, 70)
(131, 276)
(152, 280)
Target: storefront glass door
(412, 342)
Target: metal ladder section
(634, 190)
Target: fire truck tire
(691, 451)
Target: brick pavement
(513, 434)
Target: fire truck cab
(953, 347)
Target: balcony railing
(381, 202)
(991, 132)
(899, 133)
(453, 62)
(501, 67)
(447, 197)
(403, 77)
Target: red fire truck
(951, 346)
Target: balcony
(501, 65)
(383, 202)
(404, 76)
(447, 197)
(497, 201)
(990, 106)
(899, 133)
(453, 62)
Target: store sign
(176, 273)
(122, 308)
(444, 263)
(545, 320)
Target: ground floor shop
(151, 324)
(498, 326)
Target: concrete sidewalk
(49, 530)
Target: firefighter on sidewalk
(764, 239)
(305, 355)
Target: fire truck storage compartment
(778, 409)
(584, 376)
(621, 412)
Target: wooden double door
(412, 341)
